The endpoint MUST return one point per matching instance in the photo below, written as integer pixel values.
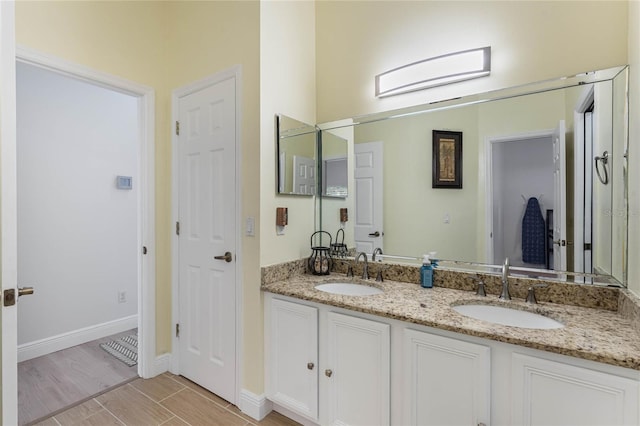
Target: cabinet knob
(310, 365)
(328, 373)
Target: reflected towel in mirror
(533, 233)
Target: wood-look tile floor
(53, 382)
(167, 400)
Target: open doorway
(79, 225)
(522, 185)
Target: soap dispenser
(426, 272)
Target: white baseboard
(160, 365)
(73, 338)
(255, 406)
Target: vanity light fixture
(436, 71)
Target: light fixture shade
(436, 71)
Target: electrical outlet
(122, 297)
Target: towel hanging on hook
(526, 199)
(604, 159)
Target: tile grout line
(109, 411)
(204, 396)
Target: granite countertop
(594, 334)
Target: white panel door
(304, 175)
(447, 381)
(8, 212)
(560, 202)
(548, 393)
(356, 372)
(292, 367)
(368, 226)
(207, 215)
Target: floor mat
(124, 349)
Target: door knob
(375, 234)
(227, 257)
(560, 243)
(25, 291)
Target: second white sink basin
(507, 316)
(349, 289)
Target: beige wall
(530, 40)
(203, 38)
(84, 33)
(166, 45)
(287, 75)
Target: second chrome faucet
(365, 268)
(504, 295)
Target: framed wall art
(447, 159)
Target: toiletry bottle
(426, 273)
(433, 259)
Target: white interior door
(8, 215)
(368, 227)
(560, 202)
(207, 217)
(304, 175)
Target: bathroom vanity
(405, 357)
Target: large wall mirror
(543, 170)
(296, 157)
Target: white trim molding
(146, 203)
(73, 338)
(254, 406)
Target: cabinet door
(292, 370)
(356, 373)
(552, 393)
(447, 381)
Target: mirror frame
(280, 134)
(495, 95)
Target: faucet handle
(481, 288)
(531, 293)
(350, 271)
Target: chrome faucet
(505, 281)
(365, 268)
(378, 250)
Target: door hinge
(144, 249)
(177, 330)
(177, 128)
(587, 246)
(177, 228)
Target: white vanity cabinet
(356, 372)
(447, 381)
(332, 366)
(554, 393)
(328, 367)
(292, 357)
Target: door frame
(586, 98)
(232, 72)
(146, 199)
(8, 211)
(490, 142)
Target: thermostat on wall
(124, 182)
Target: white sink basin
(507, 316)
(349, 289)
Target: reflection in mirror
(530, 189)
(296, 157)
(333, 165)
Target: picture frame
(447, 159)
